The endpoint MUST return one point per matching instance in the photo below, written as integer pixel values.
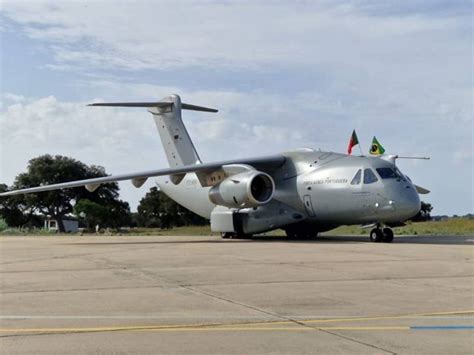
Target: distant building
(71, 224)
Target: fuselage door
(308, 205)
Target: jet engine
(243, 190)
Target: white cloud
(125, 140)
(163, 35)
(403, 76)
(9, 97)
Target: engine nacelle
(244, 190)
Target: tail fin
(176, 141)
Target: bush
(3, 225)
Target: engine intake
(248, 189)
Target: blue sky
(284, 76)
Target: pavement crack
(289, 319)
(355, 340)
(234, 302)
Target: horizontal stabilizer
(197, 108)
(160, 104)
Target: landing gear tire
(376, 235)
(227, 235)
(387, 235)
(301, 235)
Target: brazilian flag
(376, 148)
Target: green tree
(149, 209)
(47, 169)
(3, 225)
(92, 212)
(15, 212)
(158, 210)
(424, 214)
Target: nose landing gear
(384, 235)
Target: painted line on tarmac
(406, 316)
(442, 327)
(192, 329)
(259, 325)
(228, 329)
(314, 319)
(245, 318)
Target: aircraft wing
(140, 177)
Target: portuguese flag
(376, 148)
(352, 142)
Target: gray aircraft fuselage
(320, 187)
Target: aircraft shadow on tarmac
(440, 240)
(435, 240)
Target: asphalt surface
(205, 295)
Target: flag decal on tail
(376, 148)
(352, 142)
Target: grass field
(453, 226)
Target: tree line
(101, 207)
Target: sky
(283, 74)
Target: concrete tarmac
(206, 295)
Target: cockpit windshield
(400, 173)
(388, 173)
(357, 178)
(369, 176)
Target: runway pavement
(206, 295)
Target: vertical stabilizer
(178, 146)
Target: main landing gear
(301, 234)
(384, 235)
(232, 235)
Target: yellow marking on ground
(276, 328)
(244, 326)
(406, 316)
(193, 329)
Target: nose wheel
(378, 235)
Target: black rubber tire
(227, 235)
(376, 235)
(301, 235)
(387, 235)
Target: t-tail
(177, 143)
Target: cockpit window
(369, 176)
(356, 179)
(399, 173)
(388, 173)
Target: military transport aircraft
(302, 192)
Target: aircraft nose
(410, 203)
(403, 204)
